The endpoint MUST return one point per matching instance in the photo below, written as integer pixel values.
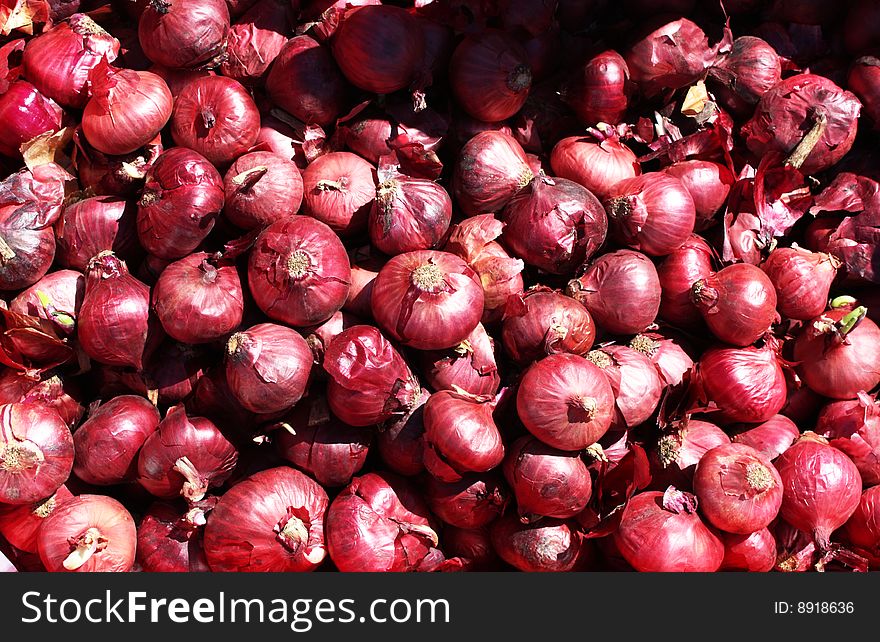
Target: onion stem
(87, 545)
(6, 252)
(808, 142)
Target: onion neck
(703, 295)
(678, 502)
(519, 79)
(423, 530)
(6, 252)
(584, 406)
(242, 347)
(209, 272)
(800, 153)
(293, 533)
(84, 547)
(208, 118)
(339, 185)
(247, 179)
(195, 486)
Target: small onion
(187, 35)
(708, 184)
(255, 41)
(599, 90)
(26, 114)
(746, 73)
(634, 380)
(491, 169)
(261, 188)
(853, 426)
(755, 552)
(596, 163)
(677, 273)
(92, 225)
(469, 366)
(400, 439)
(473, 502)
(548, 546)
(21, 524)
(802, 280)
(338, 190)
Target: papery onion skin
(21, 524)
(621, 290)
(338, 190)
(108, 175)
(565, 401)
(60, 394)
(802, 280)
(672, 361)
(92, 225)
(473, 502)
(400, 440)
(169, 541)
(56, 297)
(470, 365)
(255, 40)
(770, 438)
(548, 546)
(599, 91)
(491, 169)
(754, 552)
(708, 184)
(184, 35)
(298, 271)
(635, 381)
(273, 521)
(26, 114)
(89, 519)
(679, 452)
(260, 188)
(36, 452)
(598, 165)
(853, 426)
(677, 274)
(427, 299)
(108, 442)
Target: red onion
(543, 322)
(61, 395)
(634, 380)
(491, 169)
(302, 62)
(408, 214)
(319, 337)
(548, 546)
(473, 502)
(653, 213)
(490, 75)
(369, 380)
(170, 374)
(854, 428)
(708, 184)
(599, 89)
(379, 524)
(27, 248)
(261, 188)
(679, 452)
(738, 488)
(59, 61)
(298, 271)
(267, 367)
(771, 438)
(662, 532)
(212, 398)
(21, 524)
(92, 225)
(821, 488)
(185, 456)
(88, 534)
(546, 482)
(677, 273)
(400, 440)
(427, 300)
(738, 303)
(554, 224)
(255, 41)
(755, 552)
(817, 236)
(328, 14)
(126, 110)
(864, 81)
(862, 530)
(565, 401)
(338, 190)
(621, 290)
(178, 79)
(745, 74)
(839, 353)
(598, 163)
(57, 297)
(113, 324)
(170, 540)
(271, 521)
(216, 117)
(802, 280)
(291, 139)
(379, 48)
(673, 363)
(108, 442)
(315, 441)
(745, 384)
(26, 114)
(799, 104)
(186, 35)
(469, 366)
(113, 175)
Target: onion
(216, 117)
(267, 367)
(26, 113)
(178, 79)
(679, 452)
(662, 532)
(634, 380)
(546, 482)
(802, 280)
(255, 40)
(21, 524)
(799, 104)
(57, 297)
(261, 187)
(58, 62)
(708, 184)
(185, 456)
(319, 337)
(27, 248)
(469, 366)
(179, 204)
(565, 401)
(677, 273)
(113, 175)
(170, 540)
(427, 300)
(549, 546)
(198, 299)
(554, 224)
(318, 443)
(291, 139)
(369, 380)
(379, 524)
(108, 442)
(273, 521)
(653, 213)
(298, 271)
(338, 190)
(771, 438)
(88, 534)
(621, 290)
(408, 214)
(363, 274)
(126, 110)
(491, 169)
(61, 395)
(598, 163)
(92, 225)
(490, 75)
(473, 502)
(114, 324)
(738, 303)
(745, 74)
(817, 236)
(862, 529)
(400, 440)
(854, 428)
(821, 488)
(599, 89)
(738, 488)
(864, 81)
(839, 353)
(184, 35)
(302, 62)
(754, 552)
(379, 48)
(673, 363)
